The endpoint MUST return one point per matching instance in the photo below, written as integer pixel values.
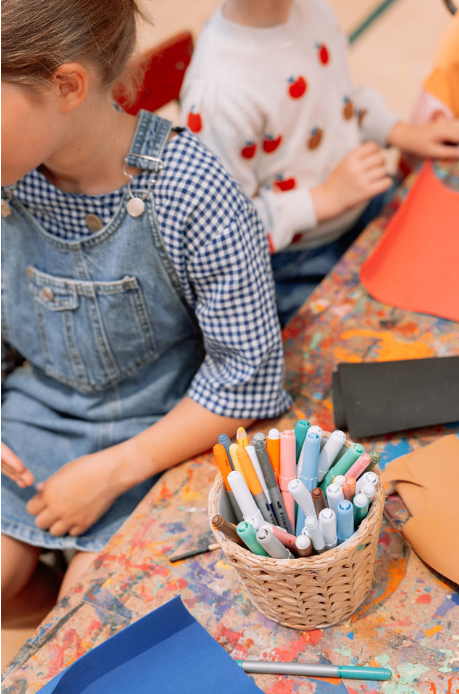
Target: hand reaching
(437, 140)
(14, 468)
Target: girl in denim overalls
(138, 316)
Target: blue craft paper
(167, 651)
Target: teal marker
(343, 464)
(301, 429)
(248, 535)
(360, 503)
(353, 672)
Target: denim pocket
(93, 334)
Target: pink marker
(283, 536)
(359, 466)
(288, 471)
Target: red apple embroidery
(248, 152)
(194, 121)
(297, 87)
(284, 184)
(323, 53)
(348, 108)
(270, 143)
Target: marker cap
(312, 528)
(345, 520)
(327, 525)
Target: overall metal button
(94, 222)
(47, 293)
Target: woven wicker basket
(312, 592)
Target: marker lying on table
(193, 552)
(311, 670)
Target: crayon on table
(242, 494)
(271, 544)
(301, 429)
(344, 520)
(318, 499)
(288, 471)
(274, 492)
(360, 503)
(359, 466)
(254, 483)
(227, 529)
(329, 452)
(225, 468)
(248, 534)
(343, 464)
(303, 546)
(273, 450)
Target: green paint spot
(383, 660)
(344, 651)
(316, 340)
(445, 669)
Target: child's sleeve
(376, 120)
(242, 374)
(232, 125)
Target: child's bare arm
(76, 496)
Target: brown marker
(318, 500)
(304, 546)
(227, 529)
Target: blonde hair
(40, 35)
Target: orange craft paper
(415, 265)
(428, 482)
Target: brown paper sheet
(428, 482)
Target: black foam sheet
(382, 397)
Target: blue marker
(309, 464)
(345, 520)
(225, 440)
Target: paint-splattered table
(410, 620)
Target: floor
(392, 55)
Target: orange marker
(225, 468)
(273, 450)
(235, 460)
(241, 437)
(254, 484)
(349, 488)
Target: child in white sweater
(269, 91)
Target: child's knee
(19, 562)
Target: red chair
(159, 74)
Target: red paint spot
(93, 625)
(425, 598)
(432, 689)
(165, 492)
(450, 685)
(228, 634)
(282, 687)
(314, 636)
(182, 583)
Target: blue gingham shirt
(219, 250)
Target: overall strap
(151, 136)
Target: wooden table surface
(410, 620)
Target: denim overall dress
(109, 341)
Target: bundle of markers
(294, 493)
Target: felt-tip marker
(274, 492)
(311, 670)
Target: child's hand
(437, 140)
(358, 177)
(76, 496)
(14, 468)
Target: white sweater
(278, 106)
